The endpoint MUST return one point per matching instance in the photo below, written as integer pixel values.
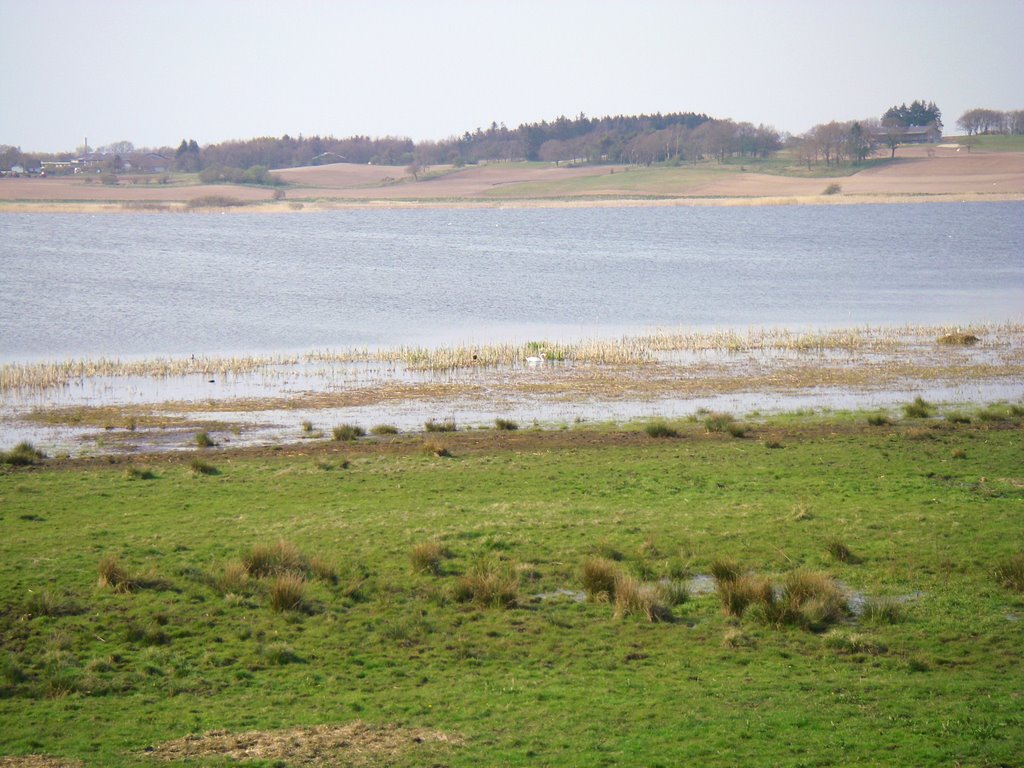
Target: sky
(156, 71)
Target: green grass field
(391, 627)
(992, 143)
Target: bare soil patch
(322, 745)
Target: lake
(80, 285)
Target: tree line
(974, 122)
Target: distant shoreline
(320, 206)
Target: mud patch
(322, 745)
(38, 761)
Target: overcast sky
(156, 71)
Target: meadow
(840, 589)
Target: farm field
(450, 598)
(991, 171)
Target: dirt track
(948, 172)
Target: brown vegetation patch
(354, 744)
(38, 761)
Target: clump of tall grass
(275, 559)
(234, 579)
(1010, 573)
(203, 440)
(21, 455)
(958, 338)
(718, 422)
(673, 592)
(345, 432)
(737, 594)
(115, 576)
(200, 467)
(384, 429)
(882, 610)
(660, 428)
(43, 602)
(807, 599)
(853, 643)
(434, 448)
(505, 424)
(448, 425)
(287, 592)
(635, 598)
(841, 552)
(832, 189)
(725, 569)
(919, 409)
(139, 473)
(488, 583)
(879, 420)
(426, 557)
(598, 575)
(956, 417)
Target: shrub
(344, 432)
(633, 597)
(833, 189)
(878, 420)
(448, 425)
(660, 428)
(203, 440)
(505, 424)
(426, 557)
(598, 575)
(281, 557)
(115, 576)
(384, 429)
(718, 422)
(288, 593)
(21, 455)
(919, 409)
(490, 584)
(1010, 573)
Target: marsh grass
(21, 455)
(883, 610)
(879, 420)
(598, 576)
(384, 429)
(719, 422)
(1010, 573)
(436, 448)
(448, 425)
(203, 440)
(287, 592)
(660, 428)
(958, 338)
(505, 424)
(636, 598)
(919, 409)
(275, 559)
(199, 467)
(347, 432)
(426, 557)
(736, 594)
(957, 417)
(489, 583)
(807, 599)
(724, 569)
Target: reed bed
(624, 351)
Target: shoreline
(339, 204)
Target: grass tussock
(448, 425)
(1010, 573)
(505, 424)
(203, 440)
(660, 428)
(115, 576)
(139, 473)
(958, 338)
(883, 610)
(287, 592)
(426, 557)
(840, 552)
(347, 432)
(21, 455)
(725, 569)
(807, 599)
(636, 598)
(718, 422)
(435, 448)
(275, 559)
(384, 429)
(598, 576)
(200, 467)
(956, 417)
(879, 420)
(489, 584)
(919, 409)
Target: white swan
(534, 360)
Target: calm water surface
(138, 284)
